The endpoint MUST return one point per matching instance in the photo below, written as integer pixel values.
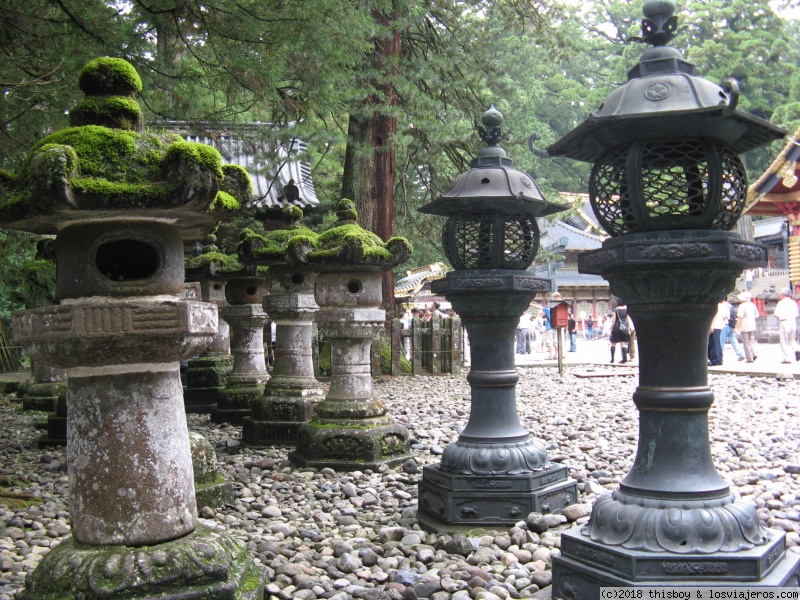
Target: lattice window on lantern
(675, 179)
(608, 188)
(467, 241)
(734, 189)
(520, 240)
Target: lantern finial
(660, 23)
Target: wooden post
(436, 346)
(456, 343)
(397, 345)
(416, 346)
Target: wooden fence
(435, 346)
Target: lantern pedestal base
(55, 426)
(364, 444)
(203, 564)
(459, 499)
(206, 377)
(585, 566)
(44, 396)
(234, 404)
(275, 417)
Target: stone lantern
(350, 428)
(668, 184)
(244, 293)
(292, 392)
(120, 202)
(207, 374)
(48, 390)
(496, 473)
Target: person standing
(748, 279)
(715, 337)
(621, 327)
(590, 328)
(551, 333)
(746, 325)
(786, 312)
(573, 333)
(524, 334)
(728, 332)
(540, 329)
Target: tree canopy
(405, 81)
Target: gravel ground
(323, 534)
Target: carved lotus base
(357, 444)
(202, 565)
(679, 526)
(457, 499)
(585, 566)
(486, 459)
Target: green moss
(217, 261)
(125, 195)
(195, 155)
(385, 351)
(209, 479)
(100, 149)
(334, 242)
(109, 76)
(237, 183)
(7, 178)
(292, 215)
(17, 503)
(224, 201)
(117, 112)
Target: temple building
(777, 194)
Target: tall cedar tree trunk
(369, 176)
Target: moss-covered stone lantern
(350, 428)
(668, 185)
(292, 392)
(119, 202)
(207, 374)
(496, 473)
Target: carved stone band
(671, 247)
(96, 334)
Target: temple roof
(554, 231)
(272, 165)
(779, 184)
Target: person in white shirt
(786, 312)
(715, 336)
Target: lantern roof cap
(103, 167)
(492, 182)
(346, 246)
(665, 98)
(270, 248)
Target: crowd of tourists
(734, 324)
